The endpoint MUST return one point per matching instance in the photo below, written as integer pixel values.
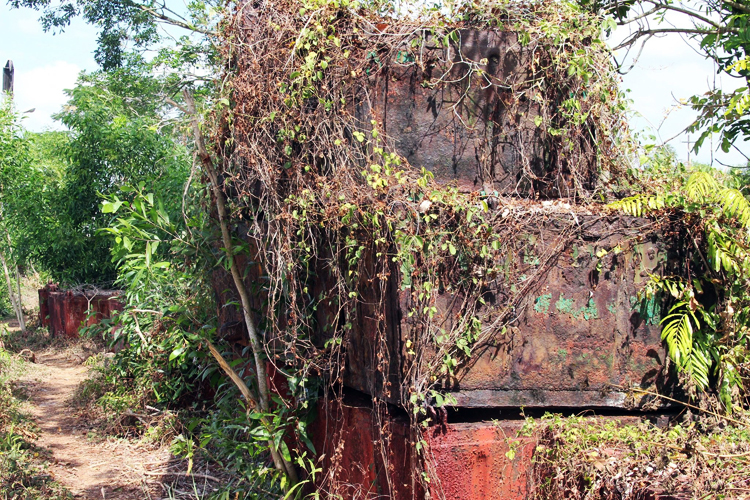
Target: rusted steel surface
(68, 311)
(369, 454)
(481, 136)
(44, 317)
(483, 460)
(579, 340)
(364, 457)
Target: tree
(720, 28)
(118, 135)
(125, 25)
(14, 169)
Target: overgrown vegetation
(707, 309)
(287, 232)
(597, 458)
(318, 188)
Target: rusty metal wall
(472, 460)
(44, 316)
(580, 339)
(65, 312)
(428, 125)
(353, 442)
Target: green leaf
(176, 353)
(109, 207)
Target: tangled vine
(342, 219)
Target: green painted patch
(649, 309)
(541, 304)
(587, 312)
(564, 305)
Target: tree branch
(687, 12)
(174, 22)
(687, 31)
(638, 17)
(738, 6)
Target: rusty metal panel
(485, 460)
(104, 305)
(67, 311)
(478, 135)
(76, 312)
(56, 304)
(471, 460)
(352, 442)
(44, 317)
(579, 339)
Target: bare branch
(647, 32)
(241, 385)
(174, 22)
(689, 13)
(638, 17)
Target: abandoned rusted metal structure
(64, 312)
(579, 341)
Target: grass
(596, 458)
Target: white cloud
(42, 88)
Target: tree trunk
(255, 340)
(21, 319)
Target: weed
(584, 457)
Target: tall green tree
(119, 134)
(15, 162)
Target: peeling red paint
(484, 460)
(472, 460)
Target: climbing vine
(340, 224)
(707, 307)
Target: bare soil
(89, 468)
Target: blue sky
(669, 70)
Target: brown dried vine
(338, 219)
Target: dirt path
(111, 469)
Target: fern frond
(726, 253)
(677, 333)
(701, 187)
(686, 345)
(698, 366)
(735, 204)
(641, 204)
